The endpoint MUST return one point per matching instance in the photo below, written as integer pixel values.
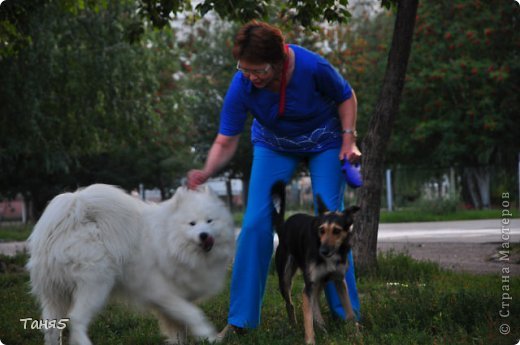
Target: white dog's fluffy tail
(62, 213)
(108, 208)
(98, 225)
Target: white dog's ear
(204, 188)
(179, 192)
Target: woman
(303, 110)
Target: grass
(404, 302)
(16, 232)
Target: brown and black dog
(318, 246)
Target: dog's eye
(209, 221)
(336, 231)
(193, 223)
(322, 231)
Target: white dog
(164, 256)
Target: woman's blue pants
(255, 242)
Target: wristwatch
(350, 131)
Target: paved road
(472, 231)
(466, 246)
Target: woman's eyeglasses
(256, 72)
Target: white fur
(100, 240)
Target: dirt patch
(477, 258)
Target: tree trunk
(378, 135)
(483, 178)
(477, 182)
(229, 193)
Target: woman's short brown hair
(259, 42)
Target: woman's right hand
(221, 152)
(196, 178)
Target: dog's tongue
(208, 242)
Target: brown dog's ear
(348, 213)
(352, 209)
(322, 208)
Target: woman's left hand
(350, 151)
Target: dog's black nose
(206, 241)
(326, 251)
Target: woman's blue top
(310, 122)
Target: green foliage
(305, 13)
(209, 67)
(159, 12)
(459, 104)
(87, 94)
(388, 4)
(207, 70)
(68, 88)
(241, 10)
(309, 12)
(437, 206)
(14, 31)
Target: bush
(438, 206)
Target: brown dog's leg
(316, 306)
(286, 269)
(307, 318)
(290, 311)
(341, 287)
